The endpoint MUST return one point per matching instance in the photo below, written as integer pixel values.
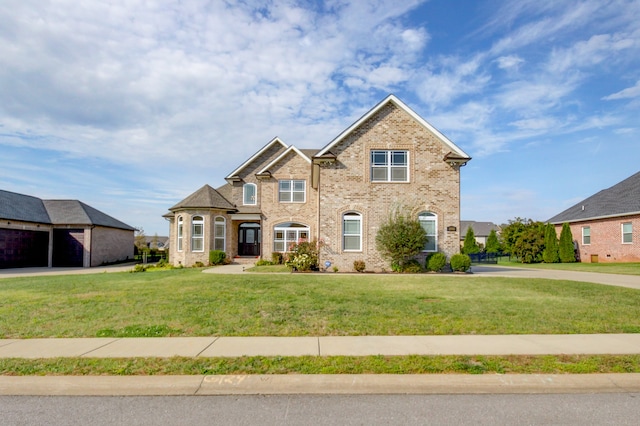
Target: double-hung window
(291, 191)
(352, 232)
(197, 233)
(249, 197)
(627, 233)
(389, 166)
(286, 234)
(428, 221)
(180, 232)
(219, 232)
(586, 235)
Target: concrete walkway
(540, 344)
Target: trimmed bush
(217, 257)
(263, 262)
(460, 262)
(277, 258)
(412, 266)
(435, 262)
(359, 265)
(566, 250)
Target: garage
(68, 247)
(23, 249)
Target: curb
(200, 385)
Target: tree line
(529, 241)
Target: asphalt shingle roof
(205, 197)
(26, 208)
(480, 229)
(619, 200)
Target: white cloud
(509, 62)
(628, 93)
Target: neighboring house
(481, 230)
(606, 226)
(339, 195)
(156, 242)
(35, 232)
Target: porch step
(245, 260)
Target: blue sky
(131, 106)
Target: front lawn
(187, 302)
(604, 268)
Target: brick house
(606, 226)
(339, 194)
(69, 233)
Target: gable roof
(74, 212)
(26, 208)
(21, 207)
(273, 141)
(397, 102)
(621, 199)
(205, 197)
(480, 229)
(284, 154)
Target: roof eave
(587, 219)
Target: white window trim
(255, 194)
(195, 237)
(583, 228)
(291, 191)
(435, 221)
(388, 166)
(359, 234)
(180, 233)
(287, 242)
(623, 233)
(222, 223)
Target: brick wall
(110, 245)
(345, 186)
(606, 240)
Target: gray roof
(205, 197)
(21, 207)
(480, 229)
(620, 200)
(26, 208)
(74, 212)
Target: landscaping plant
(400, 238)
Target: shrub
(217, 257)
(493, 243)
(435, 262)
(303, 256)
(139, 268)
(335, 269)
(400, 238)
(359, 265)
(550, 252)
(277, 258)
(263, 262)
(198, 264)
(412, 266)
(470, 245)
(565, 249)
(460, 262)
(530, 244)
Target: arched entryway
(249, 239)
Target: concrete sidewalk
(573, 344)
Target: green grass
(605, 268)
(548, 364)
(186, 302)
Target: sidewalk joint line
(100, 347)
(207, 347)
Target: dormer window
(249, 194)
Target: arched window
(352, 231)
(180, 232)
(289, 233)
(249, 196)
(197, 233)
(429, 222)
(219, 233)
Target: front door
(249, 237)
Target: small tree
(530, 244)
(512, 231)
(493, 244)
(565, 249)
(470, 245)
(400, 238)
(550, 253)
(140, 240)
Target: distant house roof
(26, 208)
(205, 197)
(622, 199)
(480, 229)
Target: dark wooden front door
(249, 239)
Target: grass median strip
(190, 303)
(551, 364)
